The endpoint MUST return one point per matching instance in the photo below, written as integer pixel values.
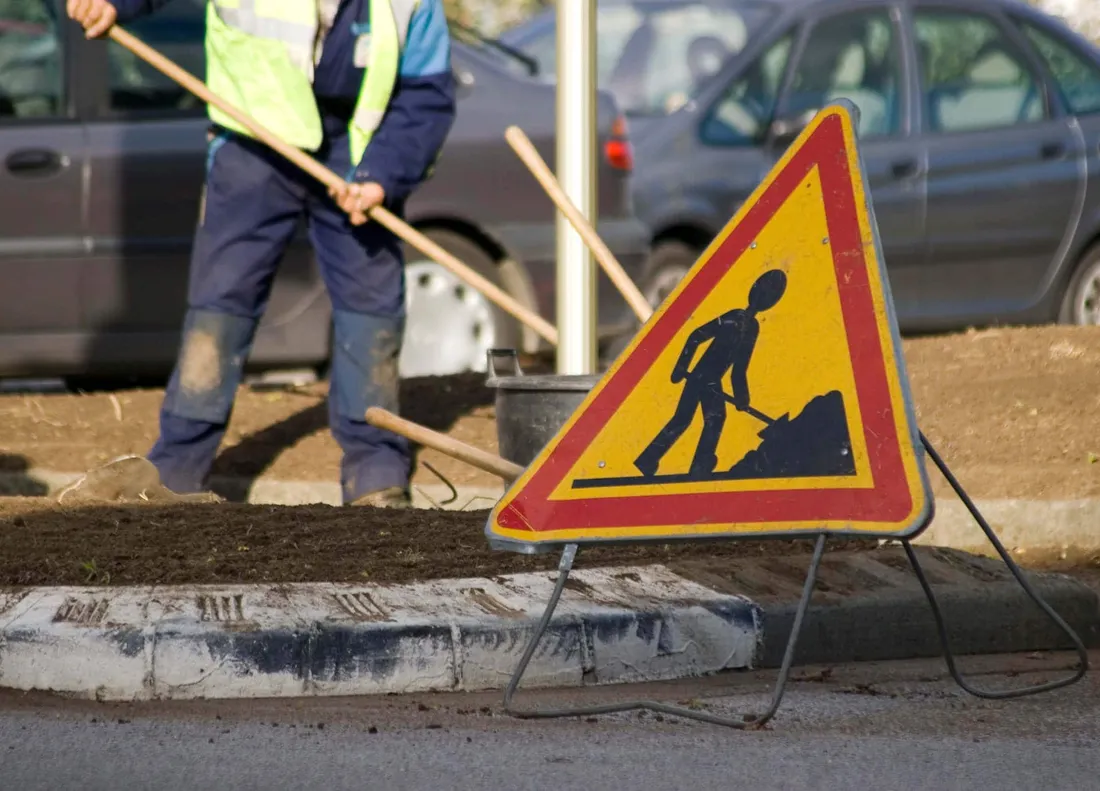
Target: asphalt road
(882, 727)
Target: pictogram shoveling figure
(732, 339)
(814, 443)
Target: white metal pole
(576, 170)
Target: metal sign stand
(753, 721)
(949, 658)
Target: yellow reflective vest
(259, 57)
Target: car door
(1076, 72)
(146, 140)
(1004, 167)
(857, 54)
(42, 153)
(147, 149)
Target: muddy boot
(129, 479)
(376, 464)
(393, 497)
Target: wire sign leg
(937, 614)
(744, 722)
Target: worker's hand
(95, 16)
(358, 199)
(740, 402)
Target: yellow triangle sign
(765, 397)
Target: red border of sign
(888, 500)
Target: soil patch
(45, 544)
(280, 433)
(1016, 412)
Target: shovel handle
(501, 467)
(530, 156)
(759, 415)
(198, 87)
(748, 410)
(330, 179)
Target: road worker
(366, 87)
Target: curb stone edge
(619, 625)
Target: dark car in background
(102, 165)
(980, 134)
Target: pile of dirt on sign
(815, 442)
(42, 543)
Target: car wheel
(1081, 303)
(666, 267)
(451, 325)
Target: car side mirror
(783, 131)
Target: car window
(31, 71)
(177, 30)
(614, 25)
(741, 117)
(653, 56)
(1078, 79)
(852, 56)
(972, 76)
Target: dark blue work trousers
(253, 203)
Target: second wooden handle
(527, 152)
(422, 435)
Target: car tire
(470, 311)
(1082, 295)
(669, 261)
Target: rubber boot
(200, 397)
(376, 465)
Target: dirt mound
(43, 544)
(131, 479)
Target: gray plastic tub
(531, 408)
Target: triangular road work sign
(767, 395)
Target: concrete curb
(1028, 528)
(616, 625)
(612, 626)
(1046, 528)
(871, 608)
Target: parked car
(980, 134)
(101, 182)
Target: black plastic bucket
(531, 408)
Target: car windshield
(513, 59)
(653, 55)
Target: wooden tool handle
(489, 462)
(330, 179)
(527, 152)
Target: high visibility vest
(259, 57)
